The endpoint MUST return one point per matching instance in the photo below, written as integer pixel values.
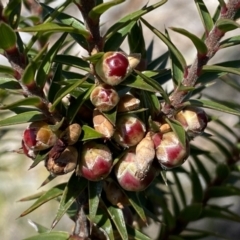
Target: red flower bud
(65, 163)
(170, 152)
(114, 67)
(193, 119)
(38, 136)
(102, 125)
(104, 97)
(130, 130)
(126, 171)
(95, 162)
(127, 103)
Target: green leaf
(97, 11)
(72, 61)
(154, 84)
(45, 66)
(102, 220)
(137, 235)
(67, 91)
(117, 217)
(89, 133)
(29, 74)
(9, 83)
(212, 105)
(37, 227)
(111, 115)
(55, 27)
(50, 236)
(31, 116)
(180, 189)
(74, 187)
(94, 191)
(47, 196)
(176, 56)
(136, 204)
(197, 191)
(7, 70)
(205, 15)
(191, 212)
(159, 62)
(175, 204)
(223, 191)
(32, 197)
(198, 43)
(229, 42)
(30, 101)
(219, 69)
(7, 36)
(41, 156)
(178, 130)
(74, 108)
(227, 25)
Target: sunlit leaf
(38, 227)
(229, 42)
(8, 37)
(47, 196)
(31, 116)
(89, 133)
(50, 236)
(227, 25)
(137, 235)
(72, 190)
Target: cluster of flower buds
(62, 156)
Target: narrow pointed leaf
(217, 68)
(45, 66)
(8, 37)
(178, 130)
(67, 91)
(179, 60)
(198, 43)
(31, 116)
(97, 11)
(89, 133)
(227, 25)
(31, 101)
(94, 191)
(191, 212)
(175, 204)
(136, 204)
(74, 187)
(205, 15)
(111, 116)
(229, 42)
(137, 235)
(48, 180)
(55, 27)
(29, 74)
(117, 217)
(32, 197)
(38, 227)
(223, 191)
(41, 156)
(7, 70)
(197, 191)
(180, 189)
(49, 195)
(50, 236)
(212, 105)
(9, 83)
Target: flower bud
(38, 136)
(95, 161)
(130, 130)
(115, 195)
(65, 163)
(128, 103)
(114, 67)
(102, 125)
(170, 152)
(71, 134)
(104, 97)
(193, 119)
(126, 173)
(145, 153)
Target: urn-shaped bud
(102, 125)
(95, 161)
(65, 163)
(38, 136)
(170, 152)
(129, 131)
(115, 195)
(126, 171)
(145, 153)
(128, 103)
(193, 119)
(104, 97)
(114, 67)
(71, 134)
